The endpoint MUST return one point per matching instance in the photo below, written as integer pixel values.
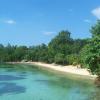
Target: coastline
(60, 68)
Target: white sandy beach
(67, 69)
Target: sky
(32, 22)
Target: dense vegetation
(62, 49)
(91, 52)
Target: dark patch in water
(23, 72)
(10, 70)
(22, 75)
(9, 78)
(9, 88)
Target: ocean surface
(27, 82)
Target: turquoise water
(25, 82)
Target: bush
(59, 58)
(72, 59)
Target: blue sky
(32, 22)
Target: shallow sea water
(26, 82)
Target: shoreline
(60, 68)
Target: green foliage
(73, 59)
(59, 58)
(62, 49)
(95, 30)
(91, 52)
(61, 43)
(78, 44)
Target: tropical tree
(61, 44)
(60, 58)
(91, 52)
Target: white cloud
(10, 21)
(48, 33)
(87, 21)
(96, 12)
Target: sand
(66, 69)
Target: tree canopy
(91, 52)
(62, 49)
